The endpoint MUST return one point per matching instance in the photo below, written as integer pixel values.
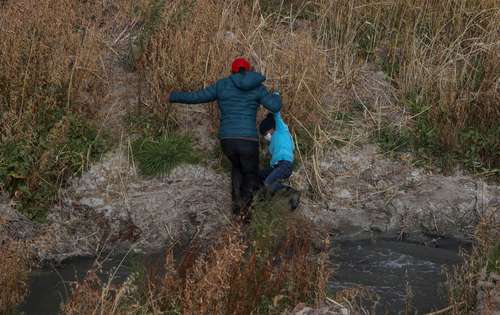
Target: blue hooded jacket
(239, 96)
(281, 147)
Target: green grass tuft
(269, 222)
(493, 264)
(477, 149)
(393, 139)
(160, 157)
(32, 172)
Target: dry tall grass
(440, 57)
(92, 296)
(15, 263)
(463, 280)
(53, 79)
(443, 58)
(49, 57)
(194, 46)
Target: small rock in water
(345, 194)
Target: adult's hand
(166, 97)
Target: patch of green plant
(33, 171)
(161, 156)
(493, 262)
(149, 123)
(365, 40)
(304, 142)
(421, 137)
(269, 222)
(424, 133)
(478, 147)
(392, 138)
(222, 164)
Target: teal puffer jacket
(239, 96)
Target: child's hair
(267, 124)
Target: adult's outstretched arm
(271, 101)
(205, 95)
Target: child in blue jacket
(281, 149)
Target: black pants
(273, 176)
(244, 157)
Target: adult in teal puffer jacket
(239, 96)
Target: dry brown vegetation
(193, 46)
(233, 276)
(441, 58)
(463, 281)
(15, 263)
(414, 76)
(52, 80)
(439, 64)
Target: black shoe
(263, 194)
(243, 218)
(236, 209)
(294, 199)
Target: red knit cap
(240, 63)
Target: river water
(386, 268)
(390, 269)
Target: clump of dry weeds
(229, 276)
(15, 264)
(360, 300)
(236, 278)
(93, 296)
(463, 280)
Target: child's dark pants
(273, 176)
